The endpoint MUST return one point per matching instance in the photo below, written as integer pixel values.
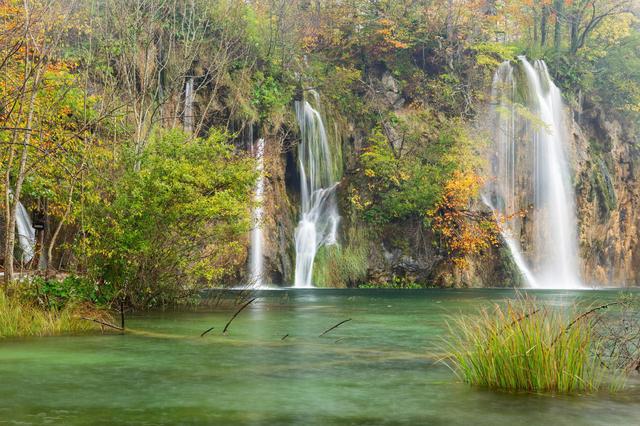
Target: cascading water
(187, 118)
(531, 191)
(256, 256)
(26, 233)
(319, 220)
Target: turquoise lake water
(379, 368)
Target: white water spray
(187, 118)
(319, 220)
(256, 256)
(531, 193)
(26, 233)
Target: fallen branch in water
(224, 331)
(106, 324)
(206, 331)
(334, 327)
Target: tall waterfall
(318, 180)
(531, 192)
(26, 233)
(187, 118)
(256, 256)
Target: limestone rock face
(391, 91)
(607, 160)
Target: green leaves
(269, 96)
(405, 179)
(176, 223)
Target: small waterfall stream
(256, 256)
(26, 233)
(318, 181)
(531, 192)
(187, 118)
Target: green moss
(341, 266)
(512, 275)
(602, 187)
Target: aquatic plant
(523, 346)
(20, 318)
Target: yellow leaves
(369, 173)
(465, 232)
(357, 201)
(392, 35)
(309, 42)
(615, 28)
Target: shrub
(176, 224)
(56, 294)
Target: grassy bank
(523, 346)
(22, 318)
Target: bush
(395, 283)
(57, 294)
(176, 224)
(522, 346)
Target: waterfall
(318, 181)
(531, 192)
(256, 256)
(26, 233)
(188, 105)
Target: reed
(521, 346)
(19, 318)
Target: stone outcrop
(607, 163)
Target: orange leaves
(392, 36)
(464, 231)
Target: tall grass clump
(520, 346)
(20, 318)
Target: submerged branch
(334, 327)
(206, 331)
(224, 331)
(106, 324)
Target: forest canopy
(140, 191)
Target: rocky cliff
(607, 161)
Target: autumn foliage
(464, 231)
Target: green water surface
(379, 368)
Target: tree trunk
(449, 20)
(56, 233)
(574, 34)
(42, 238)
(22, 171)
(543, 25)
(557, 34)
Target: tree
(584, 16)
(176, 224)
(35, 29)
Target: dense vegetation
(151, 202)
